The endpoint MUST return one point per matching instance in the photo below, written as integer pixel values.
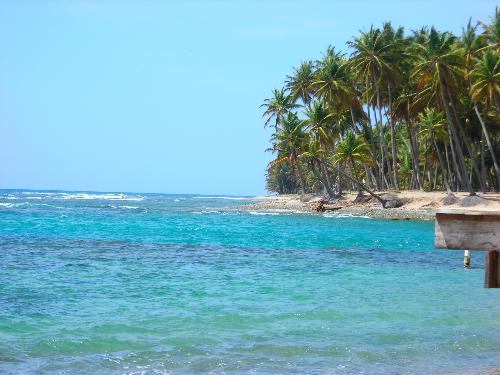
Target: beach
(418, 205)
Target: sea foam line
(346, 216)
(223, 197)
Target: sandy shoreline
(418, 205)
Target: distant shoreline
(419, 205)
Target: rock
(362, 198)
(449, 199)
(473, 200)
(393, 201)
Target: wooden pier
(472, 230)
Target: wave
(204, 212)
(127, 207)
(77, 196)
(12, 205)
(264, 213)
(346, 216)
(224, 197)
(87, 196)
(211, 212)
(37, 193)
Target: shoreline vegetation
(417, 205)
(403, 112)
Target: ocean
(128, 283)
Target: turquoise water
(111, 283)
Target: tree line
(401, 111)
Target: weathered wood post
(466, 258)
(477, 230)
(491, 268)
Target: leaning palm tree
(314, 155)
(353, 151)
(277, 106)
(485, 77)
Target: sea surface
(126, 283)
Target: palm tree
(426, 106)
(485, 88)
(492, 30)
(288, 142)
(277, 107)
(318, 123)
(440, 71)
(332, 81)
(395, 59)
(300, 82)
(370, 60)
(404, 111)
(315, 156)
(486, 78)
(353, 151)
(433, 130)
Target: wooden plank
(463, 211)
(491, 268)
(457, 230)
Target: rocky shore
(415, 205)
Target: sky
(164, 96)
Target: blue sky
(152, 96)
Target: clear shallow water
(150, 284)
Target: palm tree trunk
(380, 128)
(301, 176)
(443, 168)
(490, 146)
(458, 147)
(483, 167)
(381, 164)
(414, 152)
(363, 187)
(466, 141)
(393, 141)
(381, 131)
(326, 178)
(448, 166)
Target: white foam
(346, 216)
(204, 212)
(112, 197)
(223, 197)
(11, 205)
(264, 213)
(37, 193)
